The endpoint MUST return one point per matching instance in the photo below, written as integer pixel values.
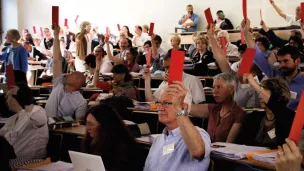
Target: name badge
(293, 95)
(271, 133)
(168, 149)
(243, 86)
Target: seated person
(277, 118)
(175, 43)
(123, 35)
(141, 59)
(244, 96)
(181, 146)
(65, 99)
(27, 130)
(193, 84)
(90, 65)
(157, 53)
(108, 137)
(201, 57)
(101, 43)
(145, 28)
(192, 46)
(222, 22)
(224, 118)
(33, 52)
(7, 153)
(29, 38)
(122, 83)
(119, 58)
(264, 44)
(106, 65)
(231, 49)
(140, 38)
(236, 65)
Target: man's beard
(287, 71)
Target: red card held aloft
(245, 9)
(246, 62)
(261, 14)
(242, 38)
(151, 29)
(148, 58)
(77, 16)
(65, 22)
(176, 66)
(298, 121)
(10, 77)
(302, 15)
(223, 43)
(208, 16)
(41, 32)
(118, 27)
(55, 15)
(34, 29)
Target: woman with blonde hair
(15, 53)
(83, 45)
(175, 43)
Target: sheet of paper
(57, 166)
(246, 61)
(151, 29)
(177, 66)
(298, 122)
(55, 15)
(208, 16)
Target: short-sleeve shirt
(291, 20)
(62, 103)
(218, 128)
(179, 159)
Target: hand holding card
(177, 66)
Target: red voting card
(224, 43)
(34, 29)
(245, 9)
(208, 16)
(261, 15)
(41, 32)
(104, 85)
(151, 29)
(176, 66)
(242, 38)
(246, 61)
(148, 58)
(10, 78)
(298, 121)
(65, 22)
(55, 15)
(118, 27)
(77, 16)
(302, 9)
(107, 33)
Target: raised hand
(147, 73)
(210, 31)
(178, 92)
(56, 29)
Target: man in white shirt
(140, 38)
(290, 19)
(192, 84)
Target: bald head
(75, 80)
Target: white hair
(223, 33)
(227, 77)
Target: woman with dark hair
(141, 59)
(264, 44)
(129, 62)
(122, 83)
(27, 130)
(127, 31)
(274, 124)
(90, 65)
(108, 137)
(29, 38)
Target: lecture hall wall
(164, 13)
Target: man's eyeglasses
(164, 104)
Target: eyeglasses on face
(164, 104)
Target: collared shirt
(194, 18)
(106, 66)
(291, 20)
(122, 55)
(193, 85)
(140, 40)
(179, 159)
(62, 103)
(296, 85)
(28, 133)
(232, 50)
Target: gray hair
(15, 34)
(227, 77)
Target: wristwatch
(184, 112)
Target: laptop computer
(3, 89)
(86, 162)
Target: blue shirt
(194, 18)
(296, 85)
(179, 159)
(19, 58)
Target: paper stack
(233, 151)
(267, 158)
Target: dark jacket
(226, 25)
(38, 53)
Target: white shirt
(106, 66)
(28, 135)
(232, 50)
(235, 66)
(291, 20)
(89, 45)
(140, 40)
(105, 48)
(193, 85)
